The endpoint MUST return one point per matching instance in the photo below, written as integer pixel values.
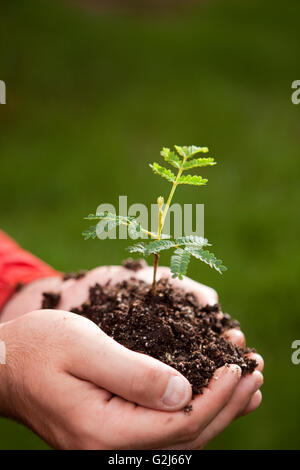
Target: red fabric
(18, 266)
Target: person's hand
(79, 389)
(225, 399)
(75, 292)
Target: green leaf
(189, 151)
(192, 179)
(110, 216)
(179, 262)
(159, 245)
(90, 233)
(137, 248)
(199, 162)
(107, 226)
(156, 246)
(134, 229)
(171, 157)
(164, 172)
(109, 221)
(152, 247)
(192, 240)
(95, 217)
(208, 258)
(180, 150)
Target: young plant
(183, 158)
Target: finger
(239, 401)
(156, 429)
(242, 396)
(253, 404)
(75, 292)
(204, 294)
(258, 358)
(236, 336)
(139, 378)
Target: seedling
(183, 158)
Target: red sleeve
(18, 266)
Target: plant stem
(161, 221)
(160, 202)
(155, 266)
(171, 195)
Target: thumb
(138, 378)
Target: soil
(77, 275)
(50, 300)
(170, 326)
(134, 264)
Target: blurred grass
(91, 98)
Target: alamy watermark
(2, 92)
(2, 352)
(296, 94)
(181, 220)
(296, 354)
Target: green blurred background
(93, 95)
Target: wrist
(5, 396)
(18, 266)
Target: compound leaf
(90, 233)
(208, 258)
(160, 245)
(109, 221)
(164, 172)
(108, 224)
(189, 151)
(171, 157)
(137, 248)
(199, 162)
(152, 247)
(95, 217)
(192, 179)
(192, 240)
(110, 216)
(179, 262)
(134, 229)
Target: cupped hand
(75, 292)
(78, 388)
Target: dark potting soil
(50, 300)
(77, 275)
(170, 326)
(134, 264)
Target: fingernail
(258, 380)
(176, 392)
